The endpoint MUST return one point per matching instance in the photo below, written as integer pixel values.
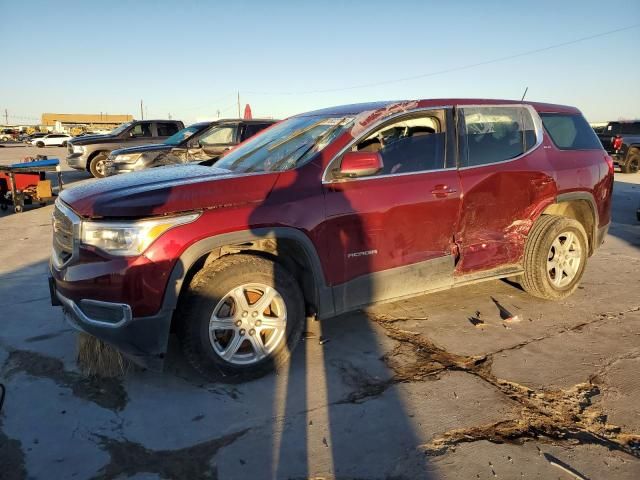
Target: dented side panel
(500, 204)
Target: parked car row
(323, 213)
(145, 144)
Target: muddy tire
(632, 165)
(241, 317)
(97, 166)
(555, 257)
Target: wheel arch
(288, 246)
(93, 155)
(580, 206)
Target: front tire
(97, 167)
(632, 165)
(40, 144)
(555, 257)
(242, 317)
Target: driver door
(391, 233)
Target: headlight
(78, 149)
(131, 158)
(129, 238)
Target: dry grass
(96, 358)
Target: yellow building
(85, 119)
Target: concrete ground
(434, 387)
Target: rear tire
(632, 165)
(251, 339)
(40, 144)
(555, 257)
(97, 167)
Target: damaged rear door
(506, 180)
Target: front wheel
(40, 144)
(242, 317)
(98, 165)
(632, 165)
(555, 257)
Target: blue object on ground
(50, 162)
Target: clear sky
(189, 58)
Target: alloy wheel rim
(248, 324)
(564, 259)
(100, 167)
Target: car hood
(154, 147)
(94, 139)
(166, 190)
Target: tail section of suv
(327, 212)
(200, 142)
(90, 152)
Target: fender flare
(196, 251)
(588, 197)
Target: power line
(455, 69)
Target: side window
(413, 144)
(631, 128)
(219, 135)
(141, 130)
(495, 134)
(570, 131)
(251, 129)
(166, 129)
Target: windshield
(286, 145)
(120, 129)
(182, 135)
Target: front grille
(62, 236)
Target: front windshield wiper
(313, 144)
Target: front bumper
(142, 339)
(77, 161)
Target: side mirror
(360, 164)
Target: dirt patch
(559, 415)
(106, 392)
(129, 458)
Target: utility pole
(218, 112)
(239, 105)
(141, 111)
(6, 117)
(169, 115)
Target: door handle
(442, 191)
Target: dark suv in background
(200, 142)
(622, 141)
(327, 212)
(91, 152)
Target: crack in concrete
(106, 392)
(129, 458)
(561, 415)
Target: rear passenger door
(166, 129)
(505, 177)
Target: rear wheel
(555, 257)
(40, 144)
(632, 165)
(98, 165)
(242, 317)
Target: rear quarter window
(570, 132)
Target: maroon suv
(327, 212)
